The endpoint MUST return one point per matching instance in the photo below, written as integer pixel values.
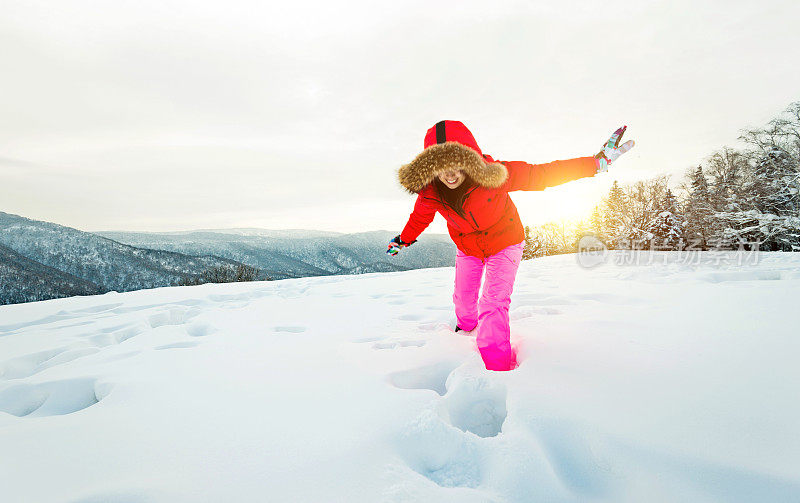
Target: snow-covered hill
(300, 253)
(25, 280)
(68, 260)
(61, 261)
(659, 382)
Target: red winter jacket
(490, 222)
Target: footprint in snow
(133, 309)
(474, 402)
(114, 328)
(33, 363)
(229, 297)
(198, 329)
(123, 335)
(164, 318)
(368, 338)
(192, 302)
(96, 309)
(179, 345)
(529, 311)
(435, 326)
(52, 398)
(292, 292)
(441, 453)
(27, 365)
(415, 343)
(172, 316)
(78, 324)
(442, 443)
(291, 329)
(432, 377)
(60, 316)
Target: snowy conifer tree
(667, 232)
(613, 215)
(698, 210)
(533, 245)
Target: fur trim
(442, 157)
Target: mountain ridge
(60, 260)
(45, 247)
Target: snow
(663, 381)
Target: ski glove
(396, 244)
(612, 150)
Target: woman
(470, 190)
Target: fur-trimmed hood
(450, 145)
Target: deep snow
(652, 382)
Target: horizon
(219, 229)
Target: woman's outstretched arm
(524, 176)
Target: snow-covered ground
(651, 382)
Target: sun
(570, 202)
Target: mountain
(68, 260)
(41, 260)
(299, 253)
(25, 280)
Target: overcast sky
(167, 115)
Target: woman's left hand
(612, 150)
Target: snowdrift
(658, 381)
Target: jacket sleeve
(524, 176)
(419, 220)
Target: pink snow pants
(490, 314)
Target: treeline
(745, 198)
(225, 274)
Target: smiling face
(452, 178)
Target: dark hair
(453, 198)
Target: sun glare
(572, 202)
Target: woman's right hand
(395, 245)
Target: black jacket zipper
(464, 201)
(473, 220)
